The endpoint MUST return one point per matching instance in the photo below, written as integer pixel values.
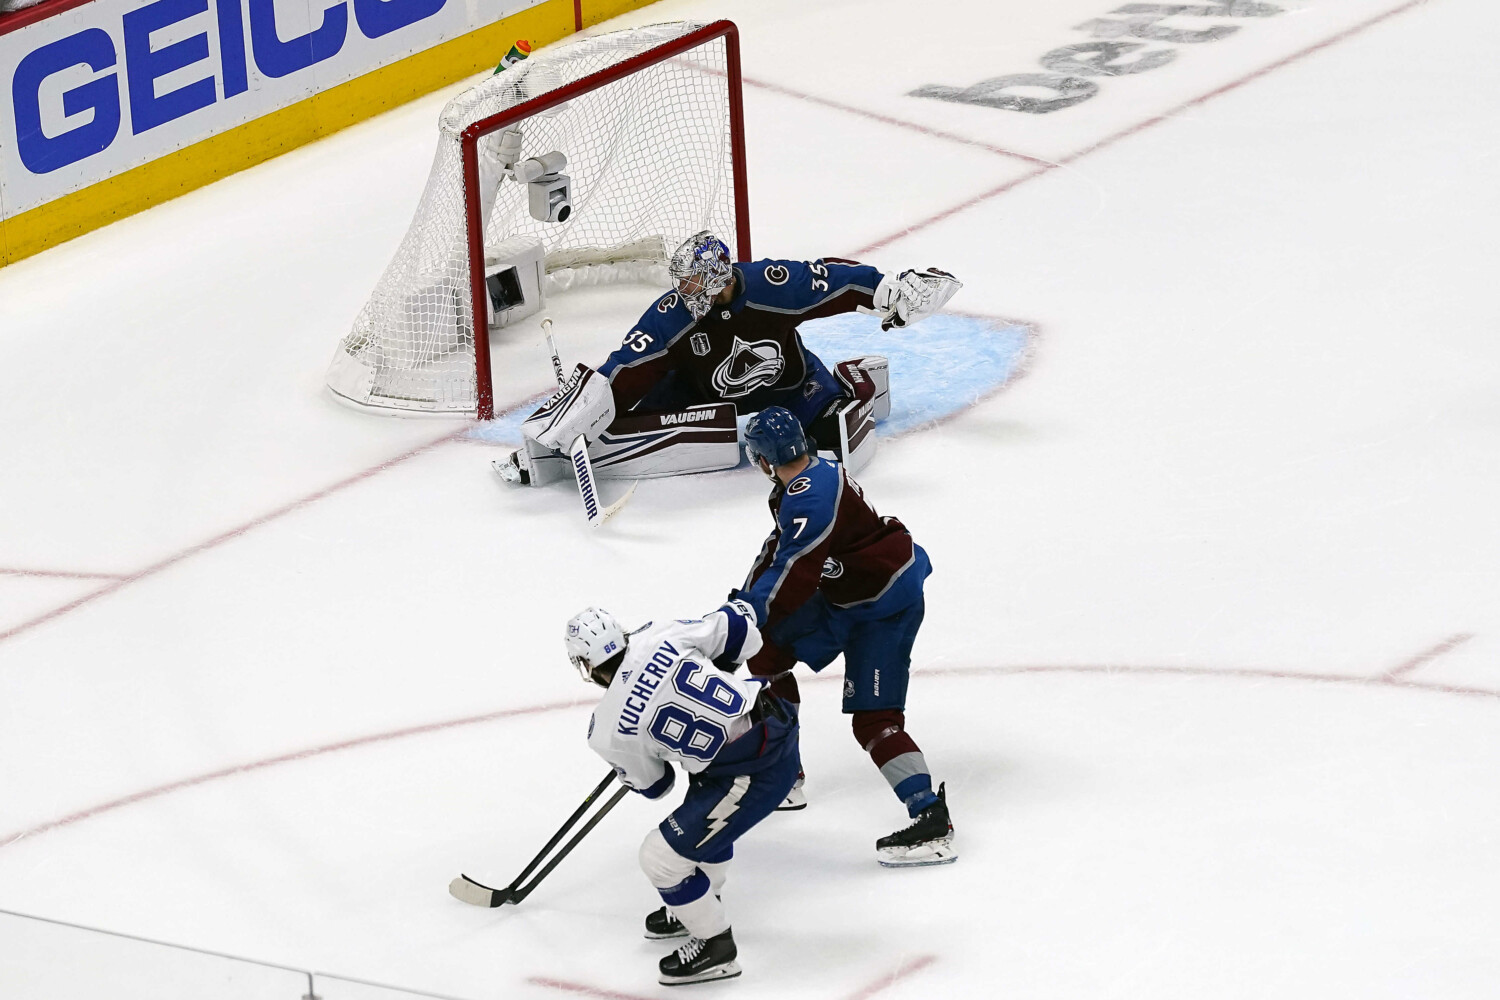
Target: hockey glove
(663, 784)
(913, 295)
(584, 405)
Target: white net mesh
(650, 160)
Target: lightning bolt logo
(718, 816)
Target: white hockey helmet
(593, 636)
(700, 269)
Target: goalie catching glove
(584, 405)
(913, 295)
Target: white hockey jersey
(668, 702)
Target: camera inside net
(549, 192)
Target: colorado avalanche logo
(748, 367)
(832, 569)
(668, 303)
(776, 274)
(799, 485)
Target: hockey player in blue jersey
(836, 578)
(727, 334)
(666, 702)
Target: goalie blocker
(698, 439)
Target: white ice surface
(1252, 470)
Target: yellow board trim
(271, 135)
(595, 11)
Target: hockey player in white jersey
(668, 704)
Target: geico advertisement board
(112, 84)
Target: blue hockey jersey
(827, 538)
(747, 352)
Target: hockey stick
(578, 455)
(478, 894)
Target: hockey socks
(915, 791)
(703, 916)
(897, 755)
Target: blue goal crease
(942, 366)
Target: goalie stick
(578, 455)
(478, 894)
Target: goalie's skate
(515, 470)
(927, 841)
(701, 960)
(660, 925)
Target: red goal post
(654, 139)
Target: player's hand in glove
(663, 784)
(913, 295)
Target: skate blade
(726, 971)
(795, 799)
(923, 856)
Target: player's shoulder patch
(668, 302)
(771, 281)
(799, 485)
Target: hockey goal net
(650, 122)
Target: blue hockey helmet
(775, 435)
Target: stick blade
(475, 893)
(614, 508)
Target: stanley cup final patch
(700, 343)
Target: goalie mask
(700, 269)
(593, 638)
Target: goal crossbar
(469, 151)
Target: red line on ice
(1427, 656)
(55, 574)
(777, 88)
(229, 772)
(907, 968)
(1245, 672)
(1138, 127)
(583, 990)
(227, 536)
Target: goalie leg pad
(868, 379)
(857, 440)
(846, 431)
(646, 446)
(650, 446)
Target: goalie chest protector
(747, 352)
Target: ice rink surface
(1210, 660)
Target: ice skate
(513, 470)
(701, 960)
(660, 924)
(927, 841)
(795, 799)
